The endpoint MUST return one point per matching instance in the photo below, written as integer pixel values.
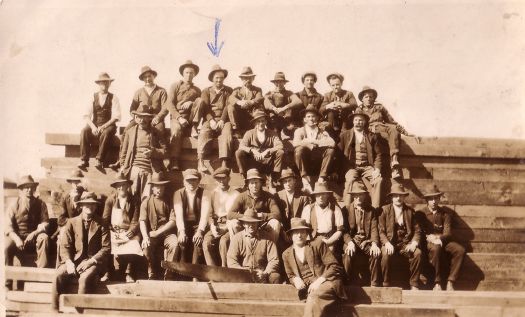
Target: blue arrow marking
(214, 49)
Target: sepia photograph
(263, 158)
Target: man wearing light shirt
(399, 233)
(100, 119)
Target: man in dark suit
(399, 234)
(313, 270)
(436, 226)
(84, 247)
(362, 239)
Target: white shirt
(261, 136)
(149, 89)
(221, 201)
(311, 134)
(299, 253)
(289, 196)
(399, 215)
(324, 217)
(179, 213)
(358, 136)
(115, 106)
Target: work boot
(414, 288)
(437, 287)
(450, 286)
(115, 165)
(98, 164)
(129, 278)
(83, 164)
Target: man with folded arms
(337, 105)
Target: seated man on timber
(326, 218)
(70, 206)
(84, 247)
(362, 256)
(312, 268)
(191, 204)
(143, 150)
(26, 222)
(214, 101)
(186, 115)
(217, 239)
(314, 149)
(399, 233)
(262, 201)
(309, 95)
(157, 225)
(436, 227)
(337, 105)
(243, 102)
(248, 250)
(362, 154)
(290, 199)
(383, 124)
(100, 119)
(261, 148)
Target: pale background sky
(442, 68)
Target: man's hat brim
(212, 73)
(120, 181)
(299, 228)
(147, 71)
(427, 195)
(144, 114)
(250, 219)
(363, 92)
(88, 201)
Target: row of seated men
(252, 229)
(306, 123)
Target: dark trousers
(374, 186)
(189, 252)
(225, 140)
(104, 139)
(124, 264)
(436, 254)
(318, 302)
(87, 282)
(356, 268)
(154, 254)
(414, 260)
(241, 119)
(41, 247)
(390, 134)
(194, 114)
(215, 248)
(314, 161)
(245, 161)
(160, 128)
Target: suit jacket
(216, 104)
(129, 146)
(289, 211)
(373, 150)
(386, 225)
(130, 214)
(315, 99)
(439, 224)
(72, 245)
(68, 210)
(370, 225)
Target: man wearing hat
(84, 247)
(186, 115)
(314, 149)
(326, 218)
(382, 123)
(283, 107)
(337, 105)
(260, 148)
(436, 227)
(313, 270)
(217, 239)
(143, 150)
(309, 95)
(262, 201)
(191, 204)
(214, 101)
(399, 233)
(157, 226)
(362, 158)
(361, 240)
(290, 199)
(243, 101)
(248, 250)
(100, 119)
(70, 207)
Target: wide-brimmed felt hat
(298, 224)
(75, 176)
(246, 72)
(358, 188)
(221, 172)
(158, 179)
(335, 75)
(189, 63)
(321, 188)
(279, 76)
(25, 181)
(358, 112)
(311, 108)
(191, 173)
(365, 90)
(103, 77)
(257, 114)
(120, 179)
(146, 69)
(88, 198)
(250, 215)
(314, 75)
(287, 173)
(431, 190)
(144, 110)
(217, 68)
(253, 173)
(398, 189)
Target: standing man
(337, 105)
(84, 248)
(362, 154)
(243, 102)
(250, 251)
(214, 101)
(436, 226)
(313, 270)
(186, 115)
(399, 233)
(261, 148)
(314, 149)
(361, 239)
(100, 119)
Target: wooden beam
(22, 273)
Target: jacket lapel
(295, 205)
(309, 256)
(351, 219)
(93, 227)
(391, 219)
(367, 222)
